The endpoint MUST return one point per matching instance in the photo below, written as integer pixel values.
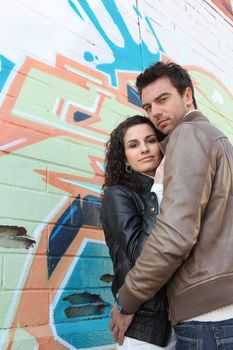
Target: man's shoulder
(200, 126)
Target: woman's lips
(146, 159)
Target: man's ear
(188, 97)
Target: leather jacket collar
(192, 116)
(146, 181)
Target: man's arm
(187, 186)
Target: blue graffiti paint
(63, 234)
(153, 32)
(137, 11)
(6, 67)
(130, 57)
(93, 200)
(86, 323)
(79, 213)
(88, 186)
(80, 116)
(67, 218)
(91, 211)
(75, 9)
(88, 56)
(133, 96)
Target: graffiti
(213, 99)
(6, 67)
(81, 211)
(56, 112)
(92, 307)
(122, 55)
(74, 217)
(56, 119)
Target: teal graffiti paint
(132, 56)
(82, 310)
(6, 67)
(75, 8)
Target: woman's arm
(126, 221)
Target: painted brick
(29, 338)
(18, 171)
(30, 303)
(67, 77)
(19, 261)
(69, 246)
(38, 232)
(31, 200)
(88, 272)
(1, 271)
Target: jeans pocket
(224, 336)
(187, 337)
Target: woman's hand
(159, 174)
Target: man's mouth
(163, 122)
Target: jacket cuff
(128, 301)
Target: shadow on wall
(80, 213)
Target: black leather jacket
(127, 217)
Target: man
(190, 249)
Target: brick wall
(67, 72)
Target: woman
(128, 215)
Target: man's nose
(155, 111)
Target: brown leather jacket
(191, 246)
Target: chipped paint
(15, 237)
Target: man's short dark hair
(178, 76)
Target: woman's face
(142, 149)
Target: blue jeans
(204, 335)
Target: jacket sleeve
(126, 221)
(189, 171)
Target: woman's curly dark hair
(115, 153)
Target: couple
(188, 250)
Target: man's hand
(119, 324)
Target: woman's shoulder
(119, 198)
(116, 190)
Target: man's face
(163, 104)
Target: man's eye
(162, 100)
(147, 108)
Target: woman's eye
(152, 140)
(133, 145)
